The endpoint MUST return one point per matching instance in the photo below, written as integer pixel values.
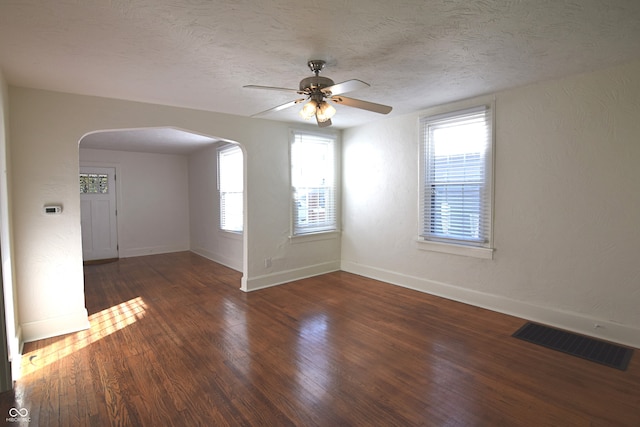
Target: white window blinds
(313, 181)
(456, 177)
(230, 187)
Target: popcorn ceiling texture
(415, 53)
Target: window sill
(233, 235)
(314, 237)
(449, 248)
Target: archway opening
(166, 192)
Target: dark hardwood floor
(173, 341)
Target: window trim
(319, 234)
(456, 247)
(219, 150)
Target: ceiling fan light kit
(317, 90)
(309, 109)
(325, 111)
(322, 110)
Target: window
(313, 181)
(94, 183)
(456, 177)
(230, 187)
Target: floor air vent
(591, 349)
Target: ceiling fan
(317, 91)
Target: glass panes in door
(94, 183)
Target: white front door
(98, 213)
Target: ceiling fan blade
(279, 107)
(365, 105)
(324, 124)
(344, 87)
(280, 89)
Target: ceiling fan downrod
(316, 65)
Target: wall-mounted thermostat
(53, 209)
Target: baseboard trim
(574, 322)
(152, 250)
(51, 327)
(220, 259)
(280, 277)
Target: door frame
(116, 167)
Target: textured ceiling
(414, 53)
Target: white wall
(6, 237)
(567, 206)
(152, 200)
(45, 128)
(204, 208)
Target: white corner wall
(567, 206)
(152, 199)
(204, 209)
(13, 331)
(45, 128)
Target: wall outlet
(267, 262)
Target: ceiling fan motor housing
(314, 84)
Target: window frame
(220, 152)
(442, 244)
(320, 232)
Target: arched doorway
(166, 191)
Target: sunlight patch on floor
(103, 323)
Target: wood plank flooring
(173, 341)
